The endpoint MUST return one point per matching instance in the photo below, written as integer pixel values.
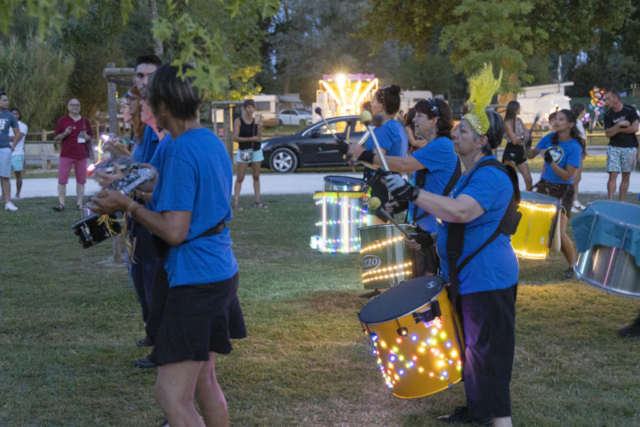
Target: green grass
(68, 326)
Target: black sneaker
(569, 274)
(461, 416)
(145, 342)
(630, 331)
(144, 363)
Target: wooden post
(113, 104)
(42, 150)
(226, 128)
(277, 114)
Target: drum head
(401, 300)
(343, 180)
(534, 197)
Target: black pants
(143, 266)
(425, 260)
(159, 294)
(488, 320)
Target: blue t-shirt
(196, 175)
(440, 160)
(392, 137)
(565, 153)
(156, 161)
(496, 266)
(143, 153)
(7, 121)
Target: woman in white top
(579, 111)
(17, 156)
(516, 133)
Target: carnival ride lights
(350, 93)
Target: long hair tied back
(482, 87)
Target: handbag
(246, 155)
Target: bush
(36, 78)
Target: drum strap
(421, 179)
(455, 241)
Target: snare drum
(343, 183)
(385, 257)
(607, 238)
(416, 337)
(539, 212)
(340, 214)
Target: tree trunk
(157, 43)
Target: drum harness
(421, 179)
(455, 240)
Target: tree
(36, 78)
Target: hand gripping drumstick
(374, 203)
(366, 118)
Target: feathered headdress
(482, 87)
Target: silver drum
(386, 260)
(343, 183)
(85, 212)
(340, 214)
(610, 269)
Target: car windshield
(336, 126)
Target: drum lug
(429, 314)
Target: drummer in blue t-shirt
(562, 151)
(487, 288)
(391, 136)
(433, 169)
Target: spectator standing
(17, 157)
(7, 122)
(247, 132)
(620, 126)
(579, 111)
(76, 134)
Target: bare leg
(210, 397)
(567, 247)
(577, 177)
(62, 193)
(624, 185)
(611, 185)
(502, 422)
(18, 183)
(80, 192)
(526, 175)
(174, 391)
(255, 169)
(6, 189)
(242, 170)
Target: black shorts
(564, 192)
(425, 260)
(488, 320)
(514, 153)
(199, 319)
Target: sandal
(58, 208)
(261, 205)
(237, 208)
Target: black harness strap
(455, 240)
(421, 178)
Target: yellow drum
(535, 231)
(416, 337)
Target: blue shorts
(17, 162)
(258, 156)
(5, 162)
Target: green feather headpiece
(482, 87)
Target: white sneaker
(10, 207)
(577, 206)
(15, 198)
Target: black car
(311, 147)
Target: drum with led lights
(539, 215)
(343, 183)
(340, 214)
(416, 337)
(385, 257)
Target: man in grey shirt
(7, 121)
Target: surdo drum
(533, 238)
(415, 336)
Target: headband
(482, 87)
(433, 105)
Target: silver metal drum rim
(435, 297)
(612, 219)
(602, 288)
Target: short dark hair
(248, 102)
(408, 119)
(495, 133)
(2, 93)
(445, 116)
(389, 97)
(613, 92)
(178, 94)
(16, 109)
(577, 109)
(148, 59)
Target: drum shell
(392, 259)
(532, 239)
(610, 269)
(343, 183)
(339, 215)
(436, 358)
(85, 212)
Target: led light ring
(381, 244)
(397, 267)
(388, 276)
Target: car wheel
(283, 160)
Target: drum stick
(364, 137)
(374, 203)
(365, 117)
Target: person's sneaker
(145, 342)
(630, 331)
(461, 416)
(577, 206)
(144, 363)
(10, 207)
(15, 198)
(569, 274)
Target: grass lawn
(68, 326)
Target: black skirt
(199, 319)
